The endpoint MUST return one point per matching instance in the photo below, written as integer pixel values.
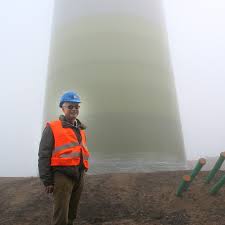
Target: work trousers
(66, 196)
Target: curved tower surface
(114, 53)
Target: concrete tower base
(114, 53)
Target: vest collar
(65, 123)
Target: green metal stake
(184, 181)
(217, 186)
(215, 168)
(201, 162)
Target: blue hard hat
(69, 96)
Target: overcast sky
(196, 30)
(196, 38)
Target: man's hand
(49, 189)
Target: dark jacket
(46, 147)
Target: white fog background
(196, 32)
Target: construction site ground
(118, 199)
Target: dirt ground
(118, 199)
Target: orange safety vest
(67, 150)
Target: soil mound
(118, 199)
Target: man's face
(71, 110)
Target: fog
(24, 43)
(119, 63)
(196, 37)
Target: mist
(24, 43)
(196, 38)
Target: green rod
(215, 168)
(201, 162)
(181, 187)
(217, 186)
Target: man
(63, 159)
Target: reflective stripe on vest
(62, 147)
(67, 150)
(70, 155)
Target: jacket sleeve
(44, 156)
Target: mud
(118, 199)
